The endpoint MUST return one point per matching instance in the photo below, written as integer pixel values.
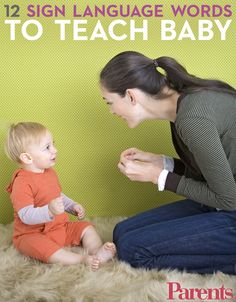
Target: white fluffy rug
(26, 280)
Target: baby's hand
(79, 210)
(56, 206)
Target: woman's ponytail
(179, 79)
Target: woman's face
(122, 107)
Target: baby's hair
(20, 136)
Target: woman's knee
(132, 252)
(127, 247)
(118, 231)
(123, 249)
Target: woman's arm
(202, 138)
(179, 166)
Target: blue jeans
(183, 235)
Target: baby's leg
(92, 242)
(67, 258)
(40, 247)
(106, 252)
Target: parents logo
(175, 290)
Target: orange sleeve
(22, 193)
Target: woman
(197, 234)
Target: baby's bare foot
(93, 262)
(106, 252)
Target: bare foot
(93, 262)
(106, 252)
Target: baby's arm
(32, 215)
(68, 204)
(73, 207)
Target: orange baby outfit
(40, 241)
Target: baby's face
(43, 154)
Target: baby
(41, 226)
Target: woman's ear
(26, 158)
(132, 96)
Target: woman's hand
(141, 166)
(136, 154)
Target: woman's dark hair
(131, 69)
